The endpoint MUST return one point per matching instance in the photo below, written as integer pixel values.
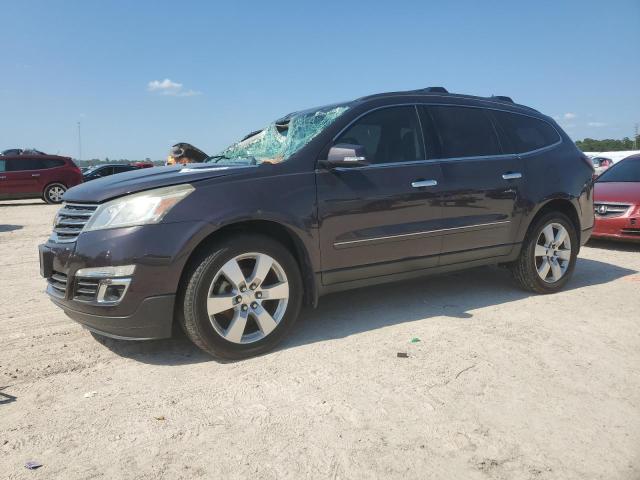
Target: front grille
(70, 221)
(58, 284)
(86, 289)
(610, 209)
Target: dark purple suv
(386, 187)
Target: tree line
(608, 144)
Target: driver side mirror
(345, 155)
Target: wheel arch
(562, 205)
(273, 229)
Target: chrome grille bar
(70, 220)
(610, 209)
(57, 284)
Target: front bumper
(626, 227)
(152, 320)
(146, 309)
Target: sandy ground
(503, 384)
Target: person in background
(183, 153)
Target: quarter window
(387, 135)
(52, 163)
(463, 132)
(523, 133)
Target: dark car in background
(105, 170)
(26, 175)
(386, 187)
(617, 201)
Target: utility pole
(79, 142)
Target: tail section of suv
(386, 187)
(37, 176)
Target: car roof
(442, 93)
(35, 155)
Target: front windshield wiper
(217, 158)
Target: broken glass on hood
(280, 139)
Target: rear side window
(52, 163)
(3, 165)
(387, 135)
(523, 133)
(15, 165)
(463, 132)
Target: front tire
(242, 297)
(53, 193)
(548, 254)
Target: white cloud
(569, 116)
(169, 87)
(165, 85)
(597, 124)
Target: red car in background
(37, 176)
(616, 201)
(600, 164)
(142, 164)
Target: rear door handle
(35, 174)
(511, 175)
(3, 178)
(424, 183)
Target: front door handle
(511, 175)
(3, 178)
(424, 183)
(35, 174)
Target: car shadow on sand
(23, 204)
(9, 228)
(352, 312)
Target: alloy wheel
(55, 193)
(552, 252)
(248, 298)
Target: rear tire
(53, 193)
(548, 255)
(241, 297)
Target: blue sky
(142, 75)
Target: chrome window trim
(412, 234)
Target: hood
(618, 192)
(134, 181)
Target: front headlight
(137, 209)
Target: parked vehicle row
(386, 187)
(33, 174)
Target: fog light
(113, 282)
(112, 290)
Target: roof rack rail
(502, 98)
(435, 90)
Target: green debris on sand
(415, 340)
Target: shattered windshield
(280, 139)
